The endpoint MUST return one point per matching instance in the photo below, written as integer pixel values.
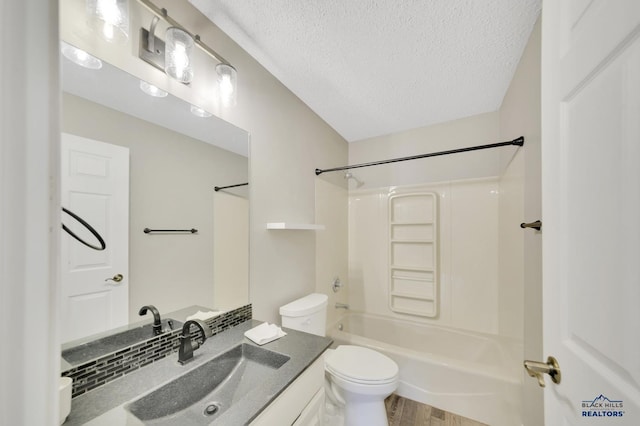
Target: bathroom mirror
(175, 160)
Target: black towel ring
(86, 225)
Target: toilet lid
(361, 365)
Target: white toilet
(358, 379)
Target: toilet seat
(361, 365)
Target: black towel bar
(149, 231)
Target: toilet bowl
(357, 379)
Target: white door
(591, 209)
(95, 186)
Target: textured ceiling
(376, 67)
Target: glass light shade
(152, 90)
(227, 84)
(199, 112)
(80, 57)
(177, 55)
(110, 18)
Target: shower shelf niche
(413, 248)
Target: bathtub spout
(342, 306)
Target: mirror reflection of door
(94, 185)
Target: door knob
(116, 278)
(537, 369)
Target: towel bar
(149, 231)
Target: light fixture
(227, 84)
(80, 57)
(177, 54)
(199, 112)
(173, 56)
(110, 18)
(152, 90)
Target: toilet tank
(308, 314)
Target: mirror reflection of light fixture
(177, 54)
(173, 55)
(227, 84)
(80, 57)
(110, 18)
(199, 112)
(152, 90)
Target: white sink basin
(202, 394)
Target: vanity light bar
(162, 13)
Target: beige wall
(470, 131)
(520, 114)
(171, 186)
(332, 244)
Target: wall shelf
(295, 226)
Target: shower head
(349, 175)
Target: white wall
(172, 177)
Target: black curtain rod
(218, 188)
(519, 142)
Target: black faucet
(185, 353)
(157, 324)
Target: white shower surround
(467, 255)
(471, 374)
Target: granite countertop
(104, 406)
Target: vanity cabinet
(301, 403)
(313, 413)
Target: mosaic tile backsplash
(110, 367)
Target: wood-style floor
(405, 412)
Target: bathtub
(474, 375)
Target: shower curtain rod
(518, 141)
(218, 188)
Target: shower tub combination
(475, 375)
